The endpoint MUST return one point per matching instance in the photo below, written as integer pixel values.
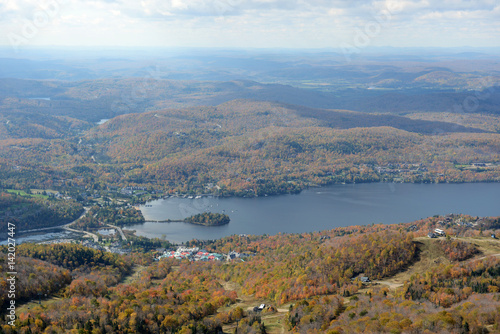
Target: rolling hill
(94, 100)
(251, 147)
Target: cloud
(240, 7)
(191, 8)
(197, 8)
(265, 23)
(15, 9)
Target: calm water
(40, 98)
(39, 237)
(321, 209)
(102, 121)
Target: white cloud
(264, 23)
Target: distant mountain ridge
(94, 100)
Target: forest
(99, 139)
(246, 148)
(224, 132)
(31, 212)
(311, 283)
(249, 148)
(208, 219)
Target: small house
(259, 308)
(439, 232)
(365, 279)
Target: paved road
(59, 226)
(119, 230)
(68, 228)
(92, 235)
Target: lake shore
(320, 208)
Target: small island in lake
(208, 219)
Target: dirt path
(487, 246)
(43, 301)
(246, 302)
(135, 275)
(431, 254)
(275, 322)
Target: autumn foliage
(317, 276)
(456, 250)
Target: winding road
(68, 228)
(58, 226)
(119, 230)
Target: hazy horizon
(54, 52)
(250, 23)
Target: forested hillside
(309, 282)
(248, 148)
(28, 212)
(245, 138)
(256, 148)
(380, 89)
(89, 137)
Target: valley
(290, 274)
(236, 192)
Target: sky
(346, 24)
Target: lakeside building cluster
(114, 247)
(196, 254)
(451, 221)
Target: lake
(40, 98)
(318, 209)
(54, 234)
